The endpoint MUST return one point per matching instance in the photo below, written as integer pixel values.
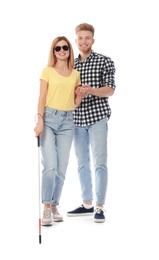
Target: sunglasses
(58, 48)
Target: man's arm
(99, 92)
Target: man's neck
(85, 55)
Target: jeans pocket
(48, 114)
(70, 116)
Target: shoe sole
(79, 214)
(49, 223)
(99, 220)
(46, 224)
(57, 220)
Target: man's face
(84, 41)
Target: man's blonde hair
(85, 27)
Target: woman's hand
(82, 91)
(39, 129)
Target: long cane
(38, 143)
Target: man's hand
(83, 90)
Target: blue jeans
(92, 140)
(55, 146)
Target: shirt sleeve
(45, 74)
(78, 79)
(108, 77)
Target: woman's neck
(61, 65)
(62, 69)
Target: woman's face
(61, 50)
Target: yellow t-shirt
(61, 89)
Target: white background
(126, 31)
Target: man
(90, 138)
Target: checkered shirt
(97, 71)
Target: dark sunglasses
(58, 48)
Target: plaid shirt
(97, 71)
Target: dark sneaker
(81, 211)
(99, 215)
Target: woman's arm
(41, 105)
(79, 94)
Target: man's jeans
(92, 141)
(56, 143)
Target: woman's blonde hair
(52, 58)
(85, 27)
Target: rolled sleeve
(109, 74)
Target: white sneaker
(47, 219)
(56, 215)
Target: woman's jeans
(56, 143)
(92, 141)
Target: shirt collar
(88, 58)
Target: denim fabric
(92, 141)
(55, 146)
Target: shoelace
(46, 213)
(99, 209)
(55, 211)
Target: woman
(57, 100)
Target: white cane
(39, 185)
